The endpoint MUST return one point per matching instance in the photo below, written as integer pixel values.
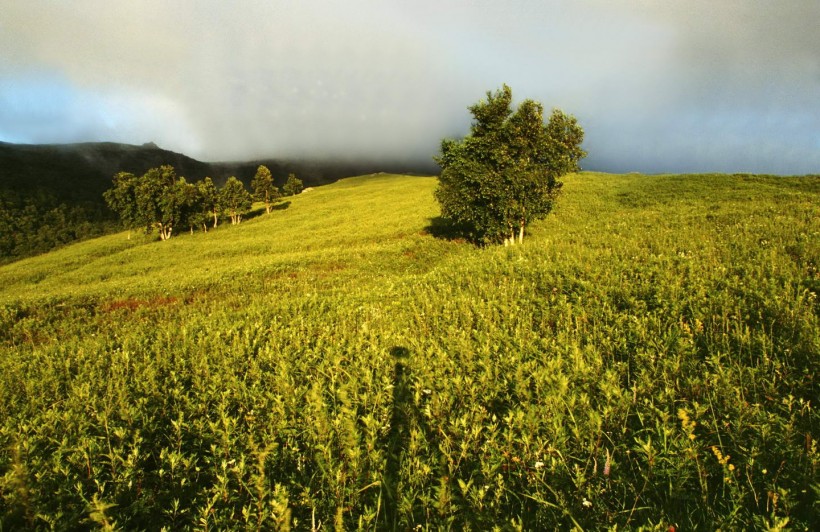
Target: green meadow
(647, 358)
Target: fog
(657, 86)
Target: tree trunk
(216, 218)
(521, 233)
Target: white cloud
(380, 79)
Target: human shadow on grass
(405, 413)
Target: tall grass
(648, 358)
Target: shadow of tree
(259, 211)
(253, 213)
(445, 229)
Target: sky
(658, 86)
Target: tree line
(161, 200)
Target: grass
(647, 358)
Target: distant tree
(235, 199)
(264, 189)
(161, 200)
(209, 202)
(505, 173)
(293, 185)
(122, 199)
(192, 214)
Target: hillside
(648, 357)
(52, 194)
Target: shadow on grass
(444, 229)
(261, 210)
(404, 416)
(398, 436)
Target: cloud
(658, 86)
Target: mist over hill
(51, 194)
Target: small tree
(209, 197)
(264, 189)
(191, 205)
(293, 185)
(122, 199)
(505, 173)
(235, 199)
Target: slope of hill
(649, 357)
(52, 194)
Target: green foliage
(263, 188)
(32, 225)
(162, 200)
(649, 360)
(504, 175)
(210, 208)
(235, 199)
(293, 185)
(122, 199)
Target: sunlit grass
(647, 358)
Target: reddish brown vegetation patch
(134, 304)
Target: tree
(293, 185)
(235, 199)
(505, 173)
(209, 198)
(264, 189)
(191, 206)
(121, 198)
(161, 197)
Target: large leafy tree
(235, 199)
(162, 199)
(505, 173)
(293, 185)
(263, 188)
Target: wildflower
(608, 464)
(587, 503)
(539, 465)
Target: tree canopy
(235, 199)
(293, 185)
(505, 173)
(263, 188)
(161, 200)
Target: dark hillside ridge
(51, 194)
(82, 172)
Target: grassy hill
(647, 358)
(51, 194)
